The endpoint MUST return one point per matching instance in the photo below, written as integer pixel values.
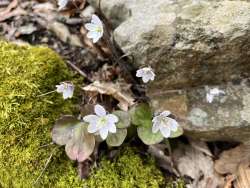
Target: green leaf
(62, 131)
(117, 138)
(81, 145)
(124, 119)
(140, 113)
(177, 133)
(148, 137)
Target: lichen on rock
(26, 120)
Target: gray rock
(187, 43)
(226, 118)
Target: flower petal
(92, 34)
(104, 132)
(96, 20)
(112, 118)
(155, 128)
(210, 98)
(165, 131)
(139, 73)
(98, 36)
(165, 113)
(99, 110)
(173, 125)
(59, 88)
(112, 128)
(91, 27)
(92, 128)
(145, 78)
(91, 118)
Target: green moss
(26, 120)
(127, 171)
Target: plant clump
(26, 119)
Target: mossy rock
(128, 170)
(26, 120)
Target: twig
(45, 145)
(46, 165)
(79, 71)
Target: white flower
(212, 93)
(62, 4)
(67, 89)
(146, 73)
(165, 124)
(95, 28)
(101, 123)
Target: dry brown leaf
(195, 164)
(16, 12)
(229, 181)
(201, 146)
(243, 176)
(125, 100)
(11, 6)
(229, 160)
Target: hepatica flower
(62, 4)
(67, 89)
(95, 28)
(146, 74)
(164, 124)
(212, 93)
(101, 122)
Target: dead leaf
(11, 6)
(163, 161)
(16, 12)
(201, 146)
(198, 166)
(25, 30)
(229, 160)
(243, 176)
(229, 181)
(125, 100)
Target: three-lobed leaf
(116, 139)
(62, 131)
(140, 114)
(147, 136)
(124, 119)
(81, 145)
(177, 133)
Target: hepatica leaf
(147, 136)
(73, 133)
(63, 129)
(81, 145)
(177, 133)
(124, 119)
(117, 138)
(140, 113)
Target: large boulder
(188, 43)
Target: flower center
(99, 29)
(102, 122)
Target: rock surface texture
(189, 44)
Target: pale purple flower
(164, 124)
(62, 4)
(101, 122)
(146, 74)
(95, 28)
(67, 89)
(212, 93)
